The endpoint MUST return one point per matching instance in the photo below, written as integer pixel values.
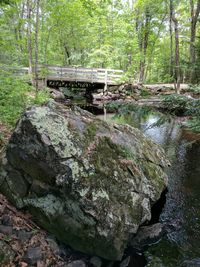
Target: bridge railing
(74, 74)
(93, 75)
(18, 71)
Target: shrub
(194, 89)
(15, 96)
(182, 105)
(176, 104)
(41, 97)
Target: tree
(36, 43)
(177, 54)
(143, 38)
(29, 37)
(193, 25)
(121, 34)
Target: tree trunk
(29, 37)
(144, 45)
(194, 19)
(142, 70)
(177, 54)
(67, 55)
(171, 67)
(36, 43)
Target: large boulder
(90, 183)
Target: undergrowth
(183, 105)
(15, 96)
(194, 89)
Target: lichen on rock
(90, 183)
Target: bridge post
(106, 82)
(61, 72)
(76, 76)
(92, 75)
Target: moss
(156, 175)
(90, 132)
(120, 150)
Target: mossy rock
(90, 183)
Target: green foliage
(193, 110)
(93, 33)
(195, 88)
(99, 33)
(129, 108)
(176, 104)
(15, 96)
(144, 93)
(41, 97)
(6, 2)
(194, 124)
(182, 105)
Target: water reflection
(182, 206)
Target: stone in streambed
(6, 230)
(78, 263)
(148, 235)
(33, 255)
(96, 262)
(90, 183)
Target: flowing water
(182, 207)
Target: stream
(182, 207)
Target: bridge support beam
(106, 83)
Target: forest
(153, 41)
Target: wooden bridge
(75, 77)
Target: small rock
(33, 255)
(6, 230)
(96, 261)
(53, 245)
(125, 262)
(78, 263)
(6, 220)
(57, 95)
(23, 264)
(24, 235)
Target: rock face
(90, 183)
